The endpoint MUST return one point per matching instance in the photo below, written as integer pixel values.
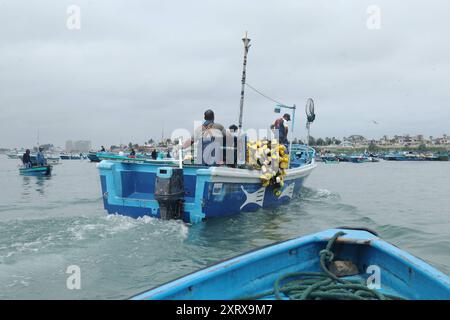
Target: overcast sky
(135, 67)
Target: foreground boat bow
(255, 275)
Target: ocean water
(49, 224)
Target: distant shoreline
(337, 148)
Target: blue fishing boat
(334, 264)
(413, 156)
(36, 171)
(350, 158)
(330, 158)
(358, 159)
(133, 187)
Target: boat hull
(36, 171)
(128, 189)
(93, 157)
(251, 274)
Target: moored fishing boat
(330, 158)
(354, 158)
(412, 156)
(333, 264)
(53, 159)
(443, 156)
(66, 156)
(36, 171)
(13, 155)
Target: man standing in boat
(209, 138)
(280, 128)
(26, 159)
(40, 159)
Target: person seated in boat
(26, 159)
(280, 128)
(132, 153)
(103, 149)
(209, 138)
(40, 159)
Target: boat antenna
(246, 41)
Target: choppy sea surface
(49, 224)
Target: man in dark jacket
(26, 159)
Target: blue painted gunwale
(247, 275)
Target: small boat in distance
(36, 171)
(12, 155)
(353, 158)
(414, 156)
(341, 263)
(330, 158)
(67, 156)
(92, 156)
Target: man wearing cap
(281, 128)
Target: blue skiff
(130, 186)
(36, 171)
(288, 270)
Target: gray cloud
(136, 66)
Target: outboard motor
(169, 192)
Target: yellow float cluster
(271, 158)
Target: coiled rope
(321, 285)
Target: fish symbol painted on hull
(288, 191)
(256, 197)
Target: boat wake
(318, 194)
(24, 238)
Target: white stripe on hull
(233, 175)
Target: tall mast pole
(241, 107)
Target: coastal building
(78, 146)
(444, 140)
(346, 144)
(397, 141)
